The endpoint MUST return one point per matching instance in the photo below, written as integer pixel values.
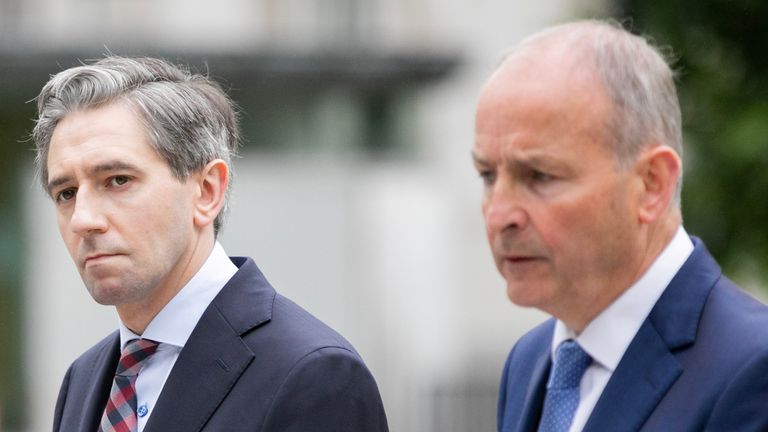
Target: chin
(524, 294)
(105, 297)
(107, 294)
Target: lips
(520, 259)
(95, 258)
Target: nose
(503, 208)
(87, 216)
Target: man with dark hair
(579, 146)
(135, 153)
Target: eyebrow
(478, 159)
(524, 160)
(534, 160)
(96, 169)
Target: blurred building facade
(355, 192)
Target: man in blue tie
(579, 147)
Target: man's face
(559, 213)
(125, 219)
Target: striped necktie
(120, 412)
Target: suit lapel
(103, 373)
(207, 368)
(215, 355)
(649, 367)
(643, 376)
(534, 394)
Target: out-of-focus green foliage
(721, 47)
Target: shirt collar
(175, 322)
(607, 337)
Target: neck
(652, 240)
(137, 316)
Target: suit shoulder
(79, 381)
(316, 371)
(292, 333)
(303, 327)
(733, 328)
(95, 352)
(338, 394)
(534, 341)
(257, 312)
(731, 312)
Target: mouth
(96, 258)
(520, 259)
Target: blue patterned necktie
(563, 387)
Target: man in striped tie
(136, 156)
(579, 147)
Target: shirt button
(143, 410)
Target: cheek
(65, 232)
(590, 229)
(164, 235)
(171, 205)
(177, 216)
(484, 212)
(568, 229)
(62, 223)
(170, 219)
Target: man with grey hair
(579, 147)
(135, 154)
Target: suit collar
(676, 315)
(649, 367)
(535, 392)
(247, 287)
(642, 378)
(215, 356)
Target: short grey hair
(189, 118)
(637, 78)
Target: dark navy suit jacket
(254, 362)
(698, 363)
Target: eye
(541, 177)
(119, 180)
(66, 195)
(487, 176)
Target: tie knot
(570, 363)
(134, 354)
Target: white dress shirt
(173, 325)
(607, 337)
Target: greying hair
(637, 78)
(189, 119)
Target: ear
(658, 167)
(212, 182)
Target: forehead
(89, 135)
(541, 103)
